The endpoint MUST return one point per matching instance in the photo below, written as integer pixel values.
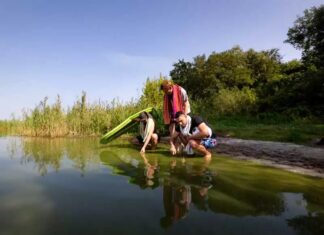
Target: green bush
(234, 101)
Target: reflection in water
(185, 183)
(48, 153)
(176, 201)
(224, 189)
(180, 181)
(308, 224)
(151, 171)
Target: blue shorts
(209, 142)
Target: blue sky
(109, 48)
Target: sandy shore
(292, 157)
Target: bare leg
(195, 144)
(154, 140)
(172, 129)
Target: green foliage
(97, 118)
(82, 119)
(300, 92)
(219, 83)
(307, 34)
(269, 126)
(152, 95)
(264, 66)
(182, 73)
(230, 68)
(234, 101)
(229, 82)
(10, 127)
(45, 120)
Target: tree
(229, 69)
(264, 66)
(181, 72)
(152, 94)
(234, 68)
(307, 34)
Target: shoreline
(287, 156)
(291, 157)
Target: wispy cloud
(142, 66)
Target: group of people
(188, 132)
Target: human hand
(142, 150)
(173, 150)
(173, 163)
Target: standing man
(175, 100)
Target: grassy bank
(94, 119)
(82, 119)
(246, 127)
(279, 128)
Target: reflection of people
(147, 131)
(149, 170)
(176, 201)
(194, 133)
(200, 191)
(177, 195)
(175, 99)
(142, 172)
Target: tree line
(236, 81)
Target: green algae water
(77, 186)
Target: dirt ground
(293, 157)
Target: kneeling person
(147, 131)
(194, 133)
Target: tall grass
(94, 119)
(82, 119)
(11, 127)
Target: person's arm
(145, 159)
(173, 148)
(148, 137)
(203, 132)
(186, 108)
(185, 99)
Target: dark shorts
(140, 139)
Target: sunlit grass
(82, 119)
(296, 131)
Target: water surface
(76, 186)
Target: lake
(77, 186)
